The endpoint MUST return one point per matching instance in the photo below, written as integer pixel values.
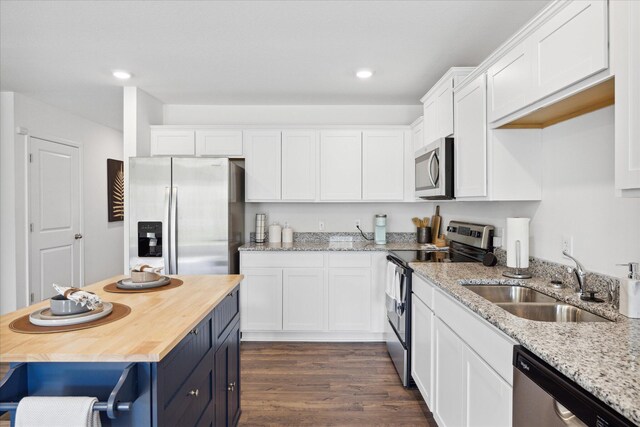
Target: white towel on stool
(54, 411)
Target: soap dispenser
(630, 292)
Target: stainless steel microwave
(434, 170)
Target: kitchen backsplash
(321, 237)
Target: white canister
(275, 233)
(287, 234)
(630, 298)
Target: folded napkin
(54, 411)
(145, 267)
(84, 298)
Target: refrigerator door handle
(165, 229)
(173, 230)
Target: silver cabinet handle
(194, 331)
(77, 236)
(232, 386)
(173, 231)
(194, 393)
(230, 294)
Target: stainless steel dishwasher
(542, 396)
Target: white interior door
(55, 211)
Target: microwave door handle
(433, 182)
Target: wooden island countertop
(157, 322)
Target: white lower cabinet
(303, 299)
(460, 363)
(349, 299)
(422, 319)
(261, 293)
(449, 379)
(312, 296)
(488, 397)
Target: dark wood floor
(337, 384)
(343, 384)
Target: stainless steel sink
(509, 293)
(552, 312)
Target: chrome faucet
(581, 277)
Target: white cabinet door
(172, 142)
(488, 397)
(422, 320)
(444, 109)
(263, 165)
(625, 18)
(449, 377)
(349, 299)
(261, 299)
(341, 165)
(299, 160)
(471, 140)
(219, 143)
(417, 136)
(383, 165)
(303, 299)
(570, 46)
(509, 81)
(430, 121)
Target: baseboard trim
(314, 336)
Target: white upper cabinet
(340, 165)
(509, 82)
(172, 142)
(383, 165)
(223, 143)
(571, 46)
(438, 116)
(471, 140)
(625, 18)
(299, 165)
(263, 165)
(417, 135)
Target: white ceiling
(243, 52)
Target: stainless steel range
(467, 243)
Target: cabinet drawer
(226, 311)
(183, 359)
(281, 260)
(194, 396)
(350, 260)
(423, 290)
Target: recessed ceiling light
(364, 74)
(122, 75)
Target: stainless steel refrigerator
(186, 214)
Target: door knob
(78, 236)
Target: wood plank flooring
(337, 384)
(322, 384)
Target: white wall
(103, 241)
(291, 114)
(578, 200)
(140, 110)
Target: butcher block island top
(157, 322)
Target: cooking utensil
(416, 221)
(435, 224)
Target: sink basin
(555, 312)
(509, 293)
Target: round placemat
(113, 288)
(23, 326)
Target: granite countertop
(331, 246)
(602, 357)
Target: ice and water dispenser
(150, 239)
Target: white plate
(48, 315)
(129, 284)
(89, 316)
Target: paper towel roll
(518, 230)
(275, 233)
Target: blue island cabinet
(196, 384)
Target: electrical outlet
(567, 244)
(357, 223)
(321, 225)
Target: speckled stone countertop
(330, 246)
(602, 357)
